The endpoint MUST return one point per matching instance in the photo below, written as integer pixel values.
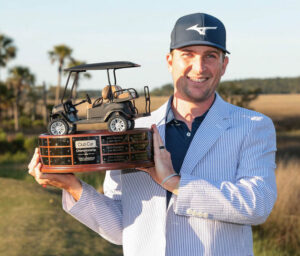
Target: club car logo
(85, 144)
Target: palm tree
(73, 63)
(6, 97)
(59, 54)
(7, 50)
(20, 78)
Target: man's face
(196, 71)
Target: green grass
(32, 222)
(262, 247)
(15, 171)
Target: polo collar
(170, 114)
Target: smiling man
(214, 164)
(196, 72)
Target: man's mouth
(198, 79)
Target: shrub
(235, 93)
(25, 122)
(17, 143)
(2, 135)
(8, 124)
(16, 158)
(30, 144)
(5, 146)
(38, 123)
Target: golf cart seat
(118, 94)
(105, 95)
(114, 91)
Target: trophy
(64, 150)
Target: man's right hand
(67, 181)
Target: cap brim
(199, 43)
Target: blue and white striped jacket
(227, 184)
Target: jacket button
(199, 214)
(189, 211)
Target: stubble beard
(192, 97)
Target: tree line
(233, 93)
(242, 92)
(278, 85)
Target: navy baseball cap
(198, 29)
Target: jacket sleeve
(101, 213)
(247, 200)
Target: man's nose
(199, 64)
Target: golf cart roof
(103, 66)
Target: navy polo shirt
(178, 138)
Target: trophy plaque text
(96, 151)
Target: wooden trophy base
(96, 151)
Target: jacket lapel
(212, 127)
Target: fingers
(56, 180)
(157, 141)
(34, 162)
(41, 178)
(37, 171)
(162, 158)
(34, 159)
(34, 168)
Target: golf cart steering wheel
(88, 99)
(98, 102)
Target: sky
(262, 36)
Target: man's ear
(169, 58)
(224, 64)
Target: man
(214, 179)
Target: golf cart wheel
(131, 124)
(58, 127)
(117, 124)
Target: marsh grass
(281, 232)
(279, 106)
(288, 146)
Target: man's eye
(187, 54)
(211, 56)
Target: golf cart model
(116, 106)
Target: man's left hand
(163, 164)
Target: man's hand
(163, 165)
(66, 181)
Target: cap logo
(200, 30)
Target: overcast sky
(263, 36)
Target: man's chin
(195, 98)
(198, 98)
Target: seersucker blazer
(227, 184)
